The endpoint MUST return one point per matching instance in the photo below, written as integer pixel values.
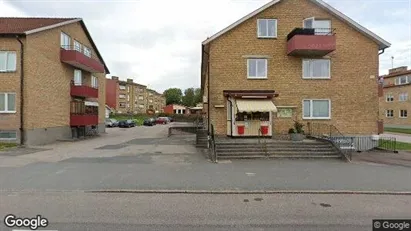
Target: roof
(395, 74)
(381, 42)
(24, 26)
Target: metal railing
(211, 144)
(81, 49)
(310, 31)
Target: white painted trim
(386, 113)
(389, 94)
(258, 28)
(257, 56)
(52, 26)
(382, 43)
(258, 77)
(311, 109)
(6, 96)
(399, 114)
(329, 70)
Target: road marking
(250, 173)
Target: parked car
(170, 119)
(111, 123)
(127, 124)
(162, 120)
(149, 122)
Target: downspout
(21, 91)
(379, 86)
(382, 52)
(208, 91)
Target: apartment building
(130, 97)
(291, 60)
(395, 102)
(52, 80)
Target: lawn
(398, 130)
(389, 145)
(6, 145)
(403, 146)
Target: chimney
(397, 69)
(114, 77)
(129, 80)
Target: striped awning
(91, 103)
(255, 105)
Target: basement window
(8, 135)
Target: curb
(346, 192)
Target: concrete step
(273, 146)
(279, 156)
(276, 153)
(302, 149)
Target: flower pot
(240, 129)
(297, 136)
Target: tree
(188, 98)
(198, 98)
(173, 96)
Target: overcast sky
(158, 42)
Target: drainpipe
(379, 86)
(21, 90)
(208, 90)
(382, 52)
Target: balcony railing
(83, 90)
(311, 41)
(82, 60)
(82, 115)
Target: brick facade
(352, 88)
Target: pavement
(398, 136)
(145, 158)
(79, 211)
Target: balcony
(82, 114)
(83, 91)
(79, 60)
(306, 42)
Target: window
(150, 94)
(267, 28)
(389, 97)
(322, 27)
(122, 104)
(77, 78)
(128, 97)
(402, 80)
(403, 114)
(94, 82)
(141, 106)
(8, 135)
(150, 101)
(122, 87)
(122, 96)
(285, 112)
(77, 46)
(65, 41)
(317, 109)
(141, 89)
(257, 68)
(87, 51)
(316, 69)
(403, 97)
(141, 98)
(389, 113)
(7, 102)
(7, 61)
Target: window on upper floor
(267, 28)
(316, 69)
(122, 104)
(389, 97)
(122, 87)
(122, 96)
(389, 113)
(403, 97)
(8, 61)
(141, 106)
(7, 102)
(94, 81)
(320, 26)
(87, 51)
(77, 45)
(316, 109)
(257, 68)
(403, 113)
(65, 41)
(150, 101)
(141, 98)
(402, 80)
(78, 79)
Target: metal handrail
(311, 31)
(212, 144)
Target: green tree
(188, 98)
(173, 96)
(198, 98)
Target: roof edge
(52, 26)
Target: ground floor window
(389, 113)
(244, 116)
(403, 114)
(316, 109)
(8, 135)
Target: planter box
(297, 136)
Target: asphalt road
(73, 211)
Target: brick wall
(396, 106)
(352, 88)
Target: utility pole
(392, 61)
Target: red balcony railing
(83, 91)
(305, 42)
(82, 115)
(78, 59)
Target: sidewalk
(402, 158)
(399, 136)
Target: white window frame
(141, 98)
(312, 19)
(122, 96)
(8, 131)
(257, 77)
(6, 102)
(63, 44)
(398, 80)
(94, 82)
(311, 109)
(402, 97)
(77, 46)
(78, 78)
(389, 96)
(266, 29)
(6, 64)
(311, 70)
(141, 106)
(87, 51)
(122, 87)
(386, 113)
(401, 116)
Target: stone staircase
(250, 149)
(201, 138)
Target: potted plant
(297, 132)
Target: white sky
(158, 42)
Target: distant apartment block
(395, 102)
(130, 97)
